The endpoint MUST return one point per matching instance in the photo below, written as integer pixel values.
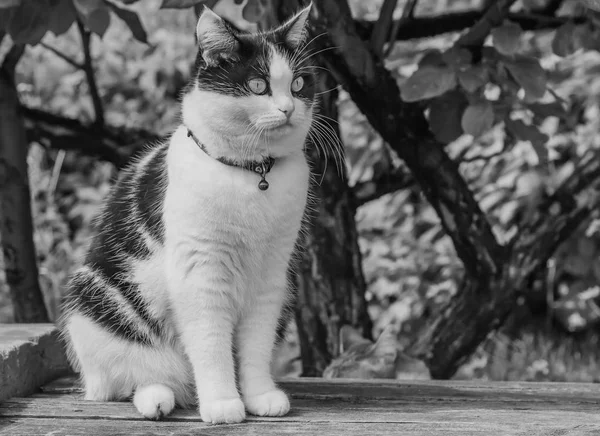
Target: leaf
(529, 74)
(29, 22)
(428, 82)
(592, 4)
(432, 58)
(529, 132)
(99, 20)
(478, 118)
(86, 7)
(545, 110)
(133, 22)
(445, 115)
(6, 17)
(9, 3)
(62, 17)
(179, 4)
(507, 38)
(563, 43)
(253, 11)
(457, 56)
(473, 78)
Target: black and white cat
(179, 296)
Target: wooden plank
(328, 410)
(338, 408)
(76, 427)
(30, 355)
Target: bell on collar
(263, 185)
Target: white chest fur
(216, 215)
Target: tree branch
(491, 18)
(425, 27)
(383, 26)
(112, 144)
(371, 190)
(89, 73)
(405, 128)
(63, 56)
(407, 15)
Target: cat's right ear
(215, 38)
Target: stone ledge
(30, 355)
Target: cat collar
(261, 168)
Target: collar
(261, 168)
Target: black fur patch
(134, 203)
(252, 60)
(150, 194)
(93, 301)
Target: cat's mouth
(279, 129)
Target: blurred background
(515, 109)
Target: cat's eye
(257, 86)
(297, 84)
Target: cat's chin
(279, 131)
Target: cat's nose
(287, 112)
(287, 107)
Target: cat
(362, 359)
(183, 285)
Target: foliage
(502, 111)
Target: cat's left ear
(295, 29)
(215, 38)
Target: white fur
(219, 280)
(154, 401)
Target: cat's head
(255, 91)
(361, 358)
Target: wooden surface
(30, 355)
(333, 408)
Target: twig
(382, 27)
(60, 158)
(12, 59)
(491, 18)
(111, 144)
(407, 15)
(365, 192)
(63, 56)
(89, 73)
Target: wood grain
(335, 408)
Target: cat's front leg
(204, 314)
(255, 340)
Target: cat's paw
(154, 401)
(272, 403)
(229, 411)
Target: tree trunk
(494, 274)
(331, 285)
(16, 227)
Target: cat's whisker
(327, 91)
(306, 46)
(315, 137)
(325, 117)
(332, 141)
(312, 54)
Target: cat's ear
(387, 343)
(295, 29)
(215, 38)
(349, 337)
